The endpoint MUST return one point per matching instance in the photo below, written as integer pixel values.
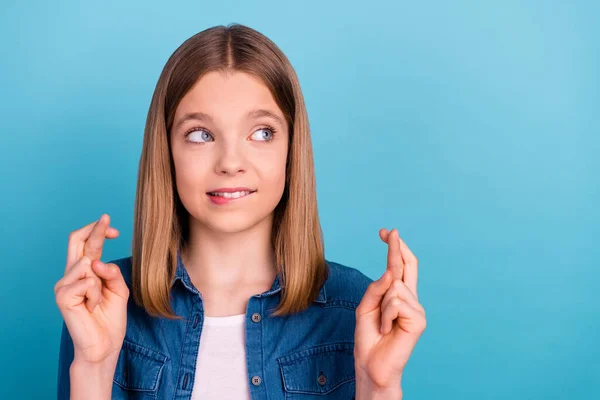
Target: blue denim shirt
(309, 355)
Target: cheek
(273, 175)
(189, 179)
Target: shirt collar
(182, 275)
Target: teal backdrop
(470, 126)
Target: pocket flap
(138, 368)
(319, 369)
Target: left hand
(389, 319)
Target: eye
(266, 135)
(198, 136)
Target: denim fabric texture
(308, 355)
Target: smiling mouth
(233, 195)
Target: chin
(231, 223)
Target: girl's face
(228, 132)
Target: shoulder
(346, 285)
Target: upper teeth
(233, 195)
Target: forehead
(227, 93)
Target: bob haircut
(160, 220)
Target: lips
(231, 195)
(228, 197)
(231, 190)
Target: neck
(218, 260)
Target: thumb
(112, 277)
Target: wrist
(91, 380)
(368, 390)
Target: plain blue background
(470, 126)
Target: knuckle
(93, 291)
(60, 295)
(93, 246)
(93, 281)
(116, 270)
(395, 302)
(59, 303)
(357, 312)
(57, 286)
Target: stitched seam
(187, 327)
(346, 380)
(159, 360)
(136, 389)
(319, 349)
(197, 349)
(131, 347)
(341, 303)
(262, 345)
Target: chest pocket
(319, 372)
(138, 372)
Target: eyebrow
(200, 116)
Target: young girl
(232, 297)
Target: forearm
(91, 382)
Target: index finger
(77, 239)
(93, 246)
(395, 262)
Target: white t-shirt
(221, 371)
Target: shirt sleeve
(65, 358)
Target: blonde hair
(160, 220)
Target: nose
(230, 159)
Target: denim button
(196, 321)
(256, 317)
(322, 379)
(256, 380)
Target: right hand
(92, 296)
